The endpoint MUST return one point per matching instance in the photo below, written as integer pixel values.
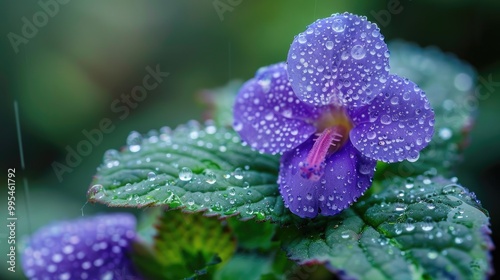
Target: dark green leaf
(253, 235)
(185, 246)
(248, 266)
(198, 168)
(421, 228)
(450, 86)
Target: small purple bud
(86, 248)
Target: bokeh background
(87, 54)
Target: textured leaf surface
(198, 168)
(427, 227)
(185, 246)
(450, 87)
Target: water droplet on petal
(302, 39)
(413, 156)
(238, 126)
(329, 45)
(395, 100)
(385, 119)
(358, 52)
(338, 25)
(371, 134)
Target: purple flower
(89, 248)
(333, 110)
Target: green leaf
(194, 167)
(185, 246)
(450, 86)
(249, 266)
(253, 235)
(426, 227)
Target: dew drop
(302, 39)
(238, 173)
(385, 119)
(329, 45)
(211, 178)
(265, 84)
(185, 174)
(395, 100)
(134, 141)
(427, 224)
(365, 169)
(400, 207)
(398, 229)
(409, 227)
(151, 176)
(371, 134)
(94, 190)
(237, 126)
(445, 133)
(287, 113)
(111, 155)
(452, 188)
(345, 234)
(358, 52)
(269, 116)
(413, 156)
(338, 25)
(432, 255)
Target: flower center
(333, 131)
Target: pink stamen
(330, 138)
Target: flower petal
(340, 60)
(348, 174)
(90, 248)
(396, 125)
(269, 116)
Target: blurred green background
(84, 55)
